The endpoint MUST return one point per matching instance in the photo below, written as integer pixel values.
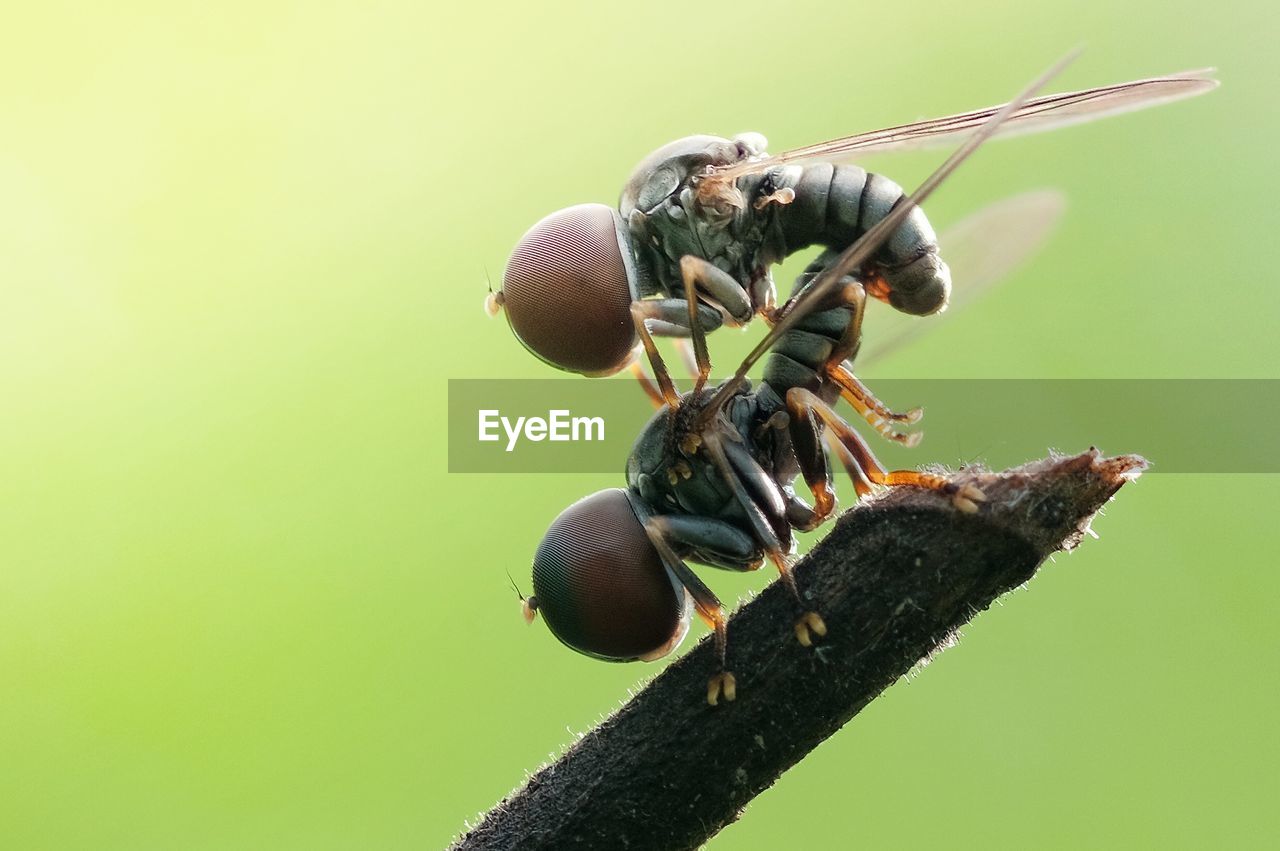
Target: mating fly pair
(710, 478)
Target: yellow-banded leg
(876, 413)
(733, 463)
(852, 296)
(806, 410)
(646, 383)
(640, 312)
(701, 280)
(840, 371)
(706, 604)
(861, 486)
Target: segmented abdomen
(799, 355)
(836, 204)
(833, 206)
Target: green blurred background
(243, 605)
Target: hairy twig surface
(894, 579)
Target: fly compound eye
(601, 586)
(567, 293)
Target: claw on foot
(967, 498)
(888, 432)
(723, 685)
(810, 622)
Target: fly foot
(966, 498)
(912, 416)
(810, 624)
(885, 429)
(723, 685)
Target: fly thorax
(671, 468)
(668, 217)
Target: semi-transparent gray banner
(575, 425)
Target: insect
(580, 281)
(710, 478)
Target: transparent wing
(853, 257)
(1043, 113)
(981, 250)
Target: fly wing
(982, 250)
(853, 257)
(1043, 113)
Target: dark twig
(895, 578)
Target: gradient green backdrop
(243, 246)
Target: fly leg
(876, 413)
(721, 544)
(800, 515)
(803, 282)
(711, 296)
(664, 317)
(661, 531)
(659, 313)
(860, 398)
(687, 317)
(646, 383)
(695, 270)
(807, 410)
(861, 486)
(716, 286)
(811, 456)
(669, 317)
(741, 472)
(710, 541)
(807, 433)
(838, 317)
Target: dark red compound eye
(601, 586)
(567, 294)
